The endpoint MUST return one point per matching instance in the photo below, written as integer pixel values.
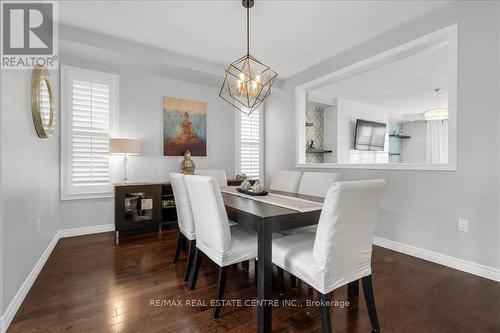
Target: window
(249, 144)
(89, 104)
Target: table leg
(353, 289)
(264, 278)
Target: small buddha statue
(187, 164)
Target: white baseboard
(64, 233)
(442, 259)
(16, 302)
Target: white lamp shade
(436, 114)
(124, 146)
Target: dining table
(266, 218)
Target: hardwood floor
(90, 285)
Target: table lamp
(125, 147)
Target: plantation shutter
(90, 140)
(250, 155)
(89, 104)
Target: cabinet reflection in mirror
(396, 110)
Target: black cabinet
(143, 207)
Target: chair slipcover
(224, 245)
(183, 206)
(316, 183)
(218, 174)
(286, 181)
(340, 251)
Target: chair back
(210, 217)
(287, 181)
(218, 174)
(343, 244)
(316, 183)
(183, 206)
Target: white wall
(29, 184)
(414, 147)
(421, 208)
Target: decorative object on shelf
(167, 203)
(184, 127)
(257, 187)
(187, 164)
(125, 147)
(42, 103)
(247, 81)
(309, 124)
(437, 113)
(147, 203)
(311, 145)
(245, 185)
(138, 206)
(241, 177)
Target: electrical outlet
(463, 225)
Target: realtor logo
(28, 34)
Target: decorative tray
(252, 192)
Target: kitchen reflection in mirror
(393, 113)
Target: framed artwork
(184, 127)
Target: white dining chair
(223, 245)
(218, 174)
(340, 251)
(286, 181)
(185, 220)
(316, 183)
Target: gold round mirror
(42, 102)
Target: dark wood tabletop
(266, 219)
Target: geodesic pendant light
(247, 81)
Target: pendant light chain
(248, 30)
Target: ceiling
(290, 36)
(402, 87)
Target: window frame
(237, 140)
(67, 75)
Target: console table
(143, 207)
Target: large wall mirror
(42, 103)
(396, 110)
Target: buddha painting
(184, 127)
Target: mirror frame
(38, 74)
(446, 35)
